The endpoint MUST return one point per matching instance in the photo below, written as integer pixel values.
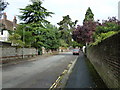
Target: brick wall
(105, 57)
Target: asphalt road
(41, 73)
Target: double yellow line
(57, 83)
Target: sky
(102, 9)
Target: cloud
(14, 6)
(75, 8)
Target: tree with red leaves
(83, 34)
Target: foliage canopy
(35, 13)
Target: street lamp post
(24, 40)
(23, 45)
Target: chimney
(14, 21)
(4, 16)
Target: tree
(112, 24)
(16, 40)
(66, 27)
(35, 13)
(24, 34)
(89, 16)
(63, 43)
(75, 44)
(3, 5)
(106, 29)
(40, 32)
(83, 34)
(67, 23)
(50, 37)
(33, 36)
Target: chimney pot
(4, 16)
(14, 21)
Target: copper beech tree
(91, 31)
(83, 34)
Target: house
(6, 26)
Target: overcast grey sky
(102, 9)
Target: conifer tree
(35, 13)
(89, 16)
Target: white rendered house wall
(4, 35)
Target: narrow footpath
(84, 75)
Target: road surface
(41, 73)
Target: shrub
(103, 36)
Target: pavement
(84, 75)
(80, 76)
(39, 73)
